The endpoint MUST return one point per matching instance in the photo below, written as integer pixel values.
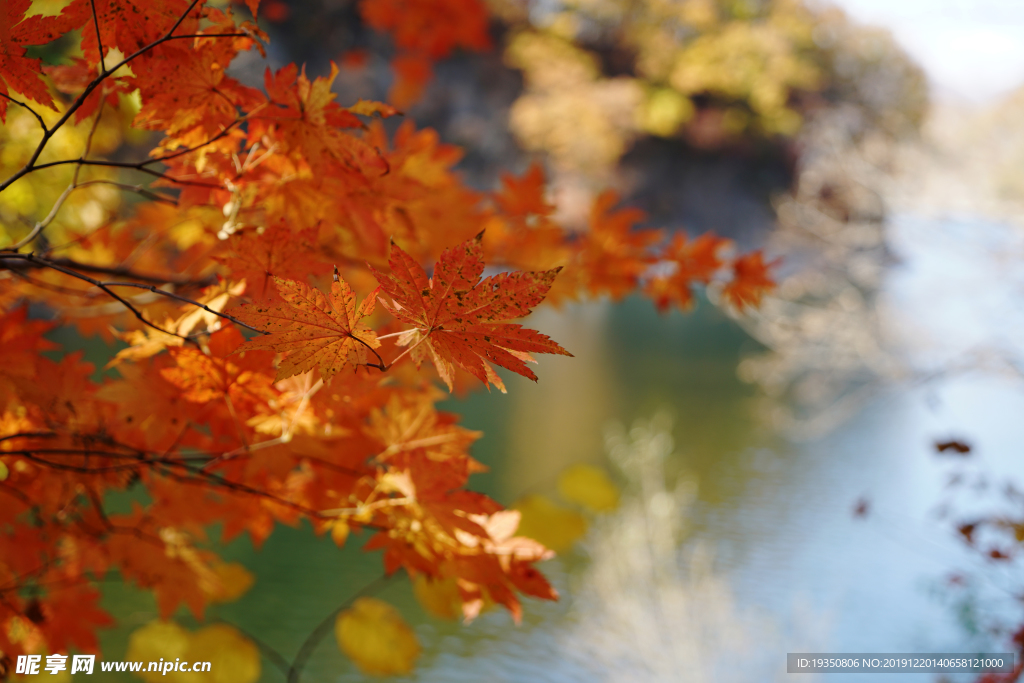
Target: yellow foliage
(232, 582)
(155, 641)
(233, 659)
(750, 62)
(664, 111)
(550, 63)
(548, 523)
(440, 597)
(33, 196)
(590, 487)
(339, 532)
(373, 635)
(581, 120)
(745, 61)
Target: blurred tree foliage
(601, 73)
(31, 199)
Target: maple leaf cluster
(255, 387)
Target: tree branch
(99, 40)
(34, 264)
(105, 286)
(135, 166)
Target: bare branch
(137, 166)
(39, 118)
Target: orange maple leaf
(416, 437)
(203, 378)
(695, 261)
(315, 331)
(309, 123)
(457, 315)
(187, 94)
(524, 196)
(614, 255)
(750, 282)
(277, 251)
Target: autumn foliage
(289, 282)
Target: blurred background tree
(676, 103)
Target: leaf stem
(380, 361)
(399, 356)
(395, 334)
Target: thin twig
(395, 334)
(99, 40)
(248, 448)
(138, 189)
(132, 165)
(88, 141)
(325, 626)
(380, 361)
(119, 271)
(38, 228)
(105, 286)
(213, 35)
(39, 118)
(141, 165)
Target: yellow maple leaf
(590, 487)
(550, 524)
(374, 636)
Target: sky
(972, 50)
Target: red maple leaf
(19, 73)
(72, 617)
(74, 78)
(457, 315)
(128, 25)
